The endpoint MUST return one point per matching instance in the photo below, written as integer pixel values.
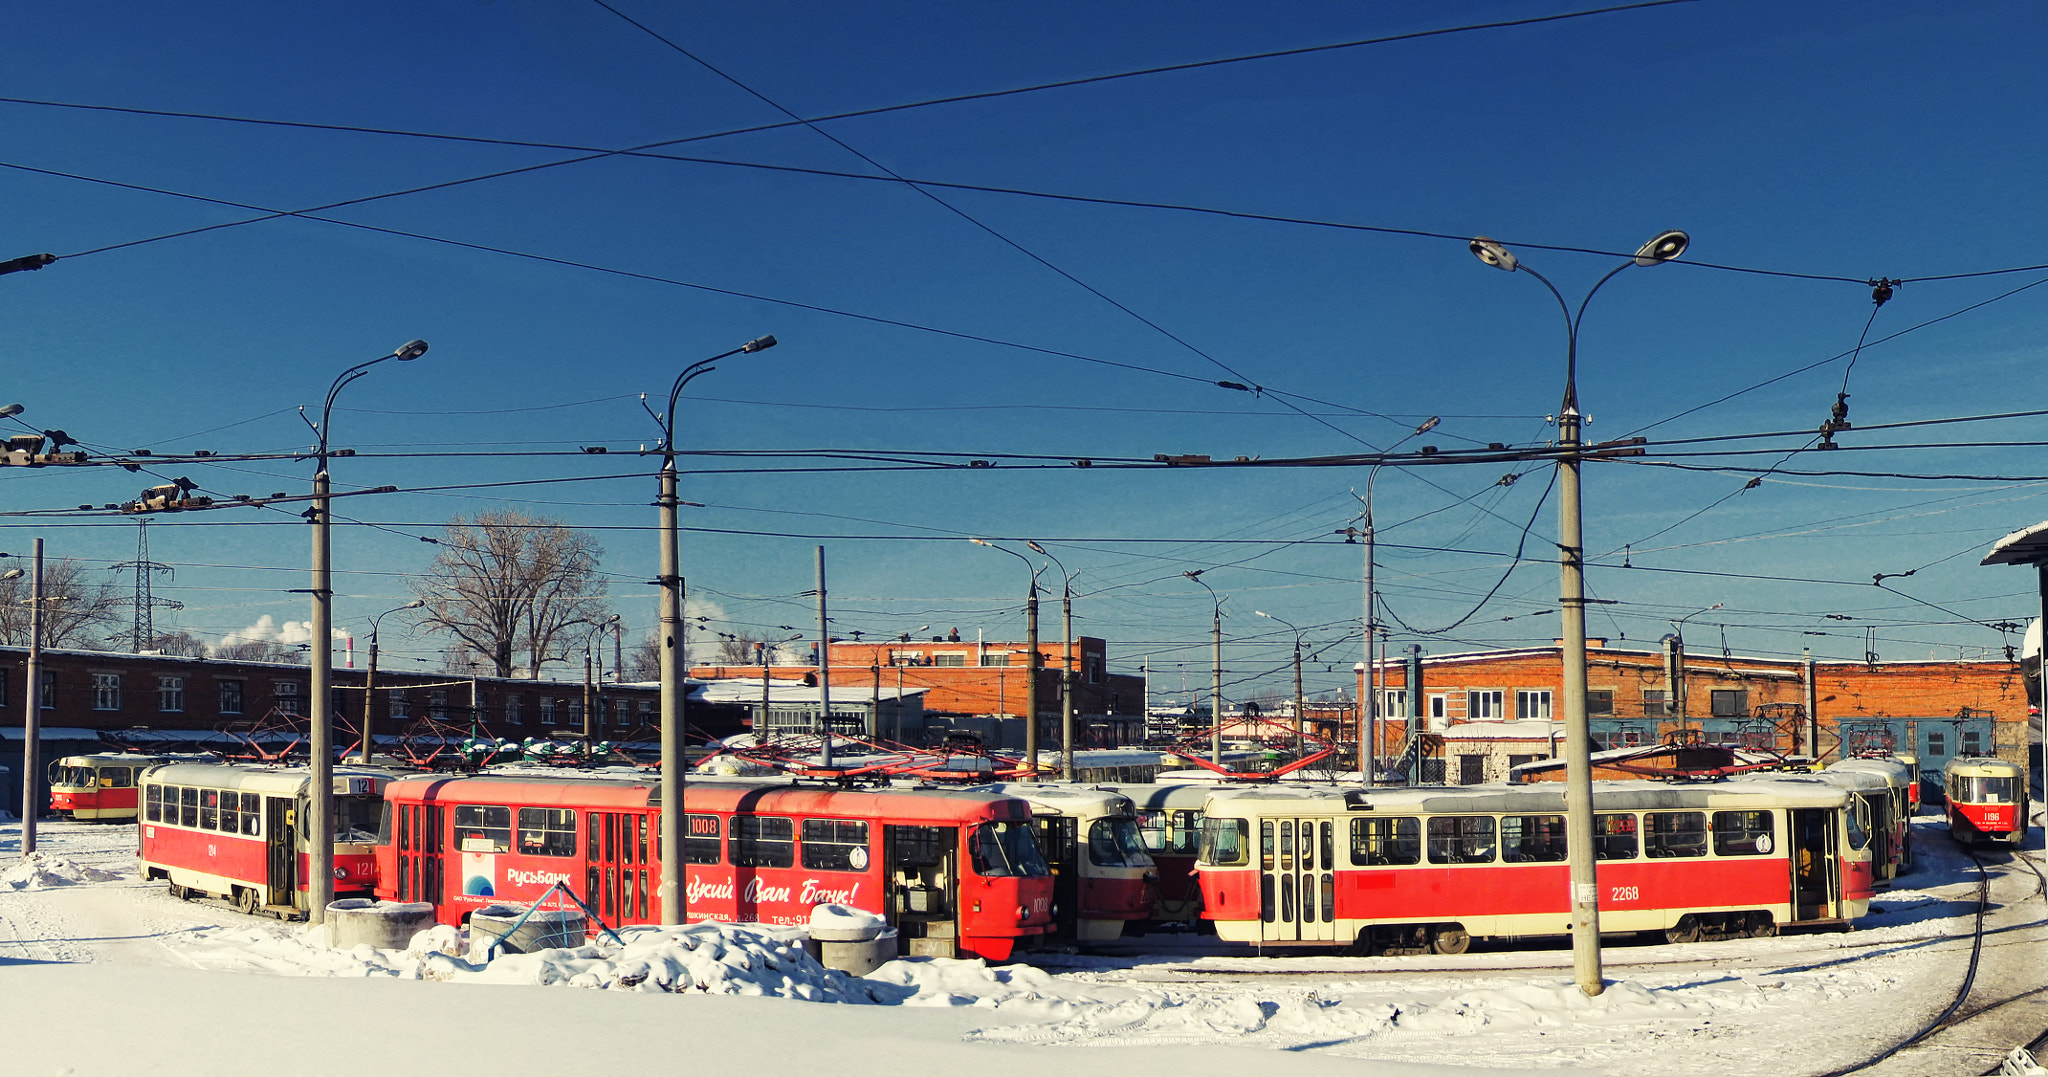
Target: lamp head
(1261, 613)
(978, 542)
(11, 574)
(764, 343)
(414, 604)
(9, 410)
(1035, 546)
(1194, 573)
(410, 350)
(1494, 254)
(1662, 247)
(1429, 424)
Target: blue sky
(1791, 140)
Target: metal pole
(1067, 682)
(320, 782)
(824, 667)
(1813, 710)
(2041, 570)
(1369, 700)
(875, 706)
(1216, 687)
(1297, 696)
(369, 699)
(673, 765)
(761, 656)
(1031, 686)
(587, 700)
(32, 723)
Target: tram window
(356, 818)
(209, 809)
(1614, 837)
(1384, 842)
(547, 831)
(1226, 842)
(483, 828)
(188, 806)
(116, 777)
(1329, 848)
(1526, 839)
(835, 845)
(230, 813)
(153, 802)
(252, 814)
(1982, 790)
(1461, 839)
(1265, 845)
(700, 845)
(1003, 849)
(1859, 824)
(1742, 833)
(1114, 843)
(762, 841)
(1674, 833)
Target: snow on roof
(1518, 729)
(739, 690)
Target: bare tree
(737, 650)
(236, 649)
(508, 586)
(643, 662)
(77, 612)
(179, 644)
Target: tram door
(1297, 880)
(279, 823)
(924, 887)
(420, 829)
(1059, 839)
(616, 877)
(1814, 871)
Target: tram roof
(1897, 772)
(1983, 766)
(265, 779)
(774, 796)
(1065, 799)
(1549, 797)
(1159, 795)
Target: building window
(1483, 704)
(1532, 703)
(576, 712)
(906, 658)
(399, 707)
(1439, 706)
(995, 660)
(1656, 703)
(437, 704)
(647, 712)
(1937, 745)
(1517, 760)
(170, 695)
(512, 710)
(5, 692)
(1394, 701)
(1599, 702)
(1471, 770)
(1094, 667)
(231, 697)
(106, 691)
(287, 695)
(547, 710)
(49, 690)
(949, 660)
(1971, 742)
(1731, 703)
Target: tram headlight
(1023, 913)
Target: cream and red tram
(953, 870)
(1103, 877)
(1987, 800)
(1170, 825)
(99, 787)
(1882, 784)
(237, 832)
(1403, 869)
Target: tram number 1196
(1625, 893)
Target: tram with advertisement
(954, 871)
(1882, 784)
(1103, 877)
(235, 832)
(1414, 870)
(98, 788)
(1987, 800)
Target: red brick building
(1492, 709)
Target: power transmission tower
(142, 636)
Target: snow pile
(40, 871)
(714, 959)
(844, 922)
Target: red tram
(1407, 869)
(954, 871)
(1987, 800)
(97, 787)
(233, 832)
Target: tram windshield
(1006, 849)
(73, 776)
(1116, 843)
(1225, 842)
(357, 819)
(1975, 790)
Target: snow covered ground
(112, 975)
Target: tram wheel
(1688, 930)
(1450, 939)
(182, 893)
(246, 900)
(1762, 926)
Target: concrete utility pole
(1585, 888)
(370, 683)
(32, 715)
(1032, 664)
(673, 765)
(1216, 668)
(1066, 666)
(318, 832)
(824, 667)
(1812, 723)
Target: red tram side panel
(1987, 800)
(953, 871)
(233, 832)
(98, 788)
(1412, 868)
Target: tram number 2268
(1624, 893)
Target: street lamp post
(590, 723)
(1674, 664)
(1585, 892)
(1031, 664)
(1297, 676)
(1215, 668)
(370, 680)
(32, 715)
(671, 581)
(1369, 703)
(319, 830)
(1066, 666)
